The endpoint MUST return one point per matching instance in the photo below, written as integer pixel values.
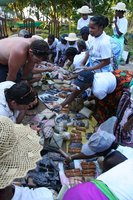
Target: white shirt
(126, 151)
(53, 45)
(24, 193)
(100, 49)
(103, 84)
(4, 108)
(78, 60)
(60, 48)
(122, 24)
(120, 180)
(81, 22)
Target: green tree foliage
(68, 9)
(6, 2)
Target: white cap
(98, 142)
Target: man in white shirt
(120, 23)
(72, 40)
(84, 20)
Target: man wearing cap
(84, 20)
(19, 152)
(120, 23)
(19, 55)
(103, 143)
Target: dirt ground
(41, 106)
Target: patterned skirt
(107, 107)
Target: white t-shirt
(120, 180)
(81, 23)
(103, 84)
(60, 48)
(4, 108)
(99, 49)
(78, 60)
(122, 24)
(24, 193)
(53, 45)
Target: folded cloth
(86, 112)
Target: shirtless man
(19, 53)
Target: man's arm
(82, 156)
(71, 97)
(78, 156)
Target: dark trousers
(4, 72)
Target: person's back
(13, 45)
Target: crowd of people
(92, 58)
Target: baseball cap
(84, 77)
(98, 142)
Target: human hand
(67, 160)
